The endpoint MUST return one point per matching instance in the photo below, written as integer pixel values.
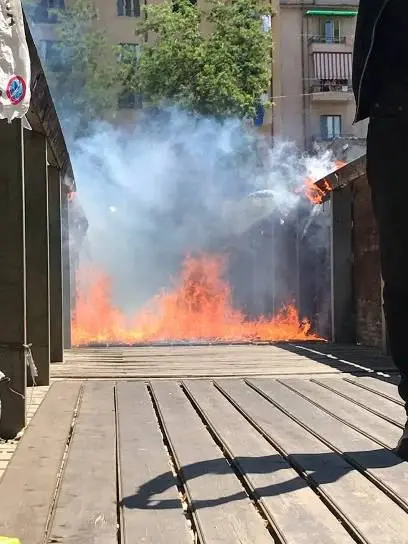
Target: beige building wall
(300, 100)
(289, 106)
(119, 29)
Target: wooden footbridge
(209, 444)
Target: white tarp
(14, 62)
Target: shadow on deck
(295, 456)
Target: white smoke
(174, 184)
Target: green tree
(83, 67)
(214, 61)
(90, 85)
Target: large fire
(198, 308)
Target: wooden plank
(31, 477)
(372, 516)
(151, 508)
(386, 389)
(379, 463)
(373, 426)
(282, 493)
(367, 399)
(188, 370)
(222, 510)
(169, 375)
(86, 507)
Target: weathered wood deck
(197, 361)
(223, 448)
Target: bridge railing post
(66, 269)
(56, 269)
(13, 335)
(37, 255)
(342, 305)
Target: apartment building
(311, 86)
(313, 99)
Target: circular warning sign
(16, 89)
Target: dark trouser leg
(387, 161)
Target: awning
(331, 12)
(332, 66)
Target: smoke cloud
(175, 184)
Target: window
(42, 11)
(330, 126)
(128, 8)
(54, 57)
(129, 52)
(330, 30)
(266, 23)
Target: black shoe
(402, 447)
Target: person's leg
(387, 170)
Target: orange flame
(197, 308)
(316, 193)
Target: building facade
(313, 104)
(312, 95)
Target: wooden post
(12, 279)
(343, 327)
(66, 271)
(37, 261)
(54, 205)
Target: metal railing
(344, 138)
(336, 86)
(327, 39)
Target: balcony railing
(327, 39)
(343, 137)
(331, 86)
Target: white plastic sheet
(14, 62)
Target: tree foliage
(212, 61)
(91, 84)
(82, 65)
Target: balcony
(331, 91)
(327, 39)
(329, 44)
